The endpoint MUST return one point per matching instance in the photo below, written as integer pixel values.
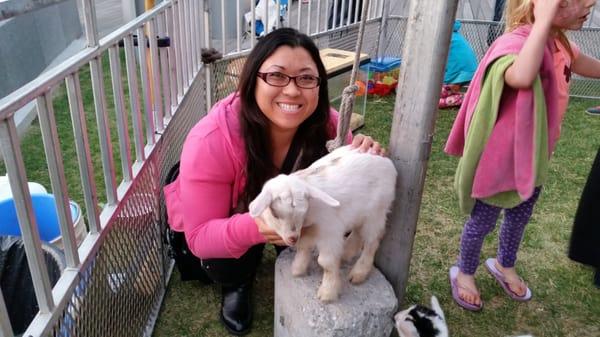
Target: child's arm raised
(522, 73)
(586, 66)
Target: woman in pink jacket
(277, 122)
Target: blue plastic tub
(44, 207)
(383, 64)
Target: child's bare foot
(513, 280)
(467, 289)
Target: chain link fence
(120, 290)
(481, 34)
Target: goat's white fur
(343, 191)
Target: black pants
(585, 238)
(227, 272)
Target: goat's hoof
(358, 277)
(327, 295)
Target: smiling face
(573, 13)
(287, 107)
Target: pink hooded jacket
(211, 180)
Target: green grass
(564, 304)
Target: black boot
(236, 308)
(597, 278)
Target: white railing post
(106, 151)
(11, 152)
(57, 177)
(157, 104)
(319, 17)
(183, 46)
(90, 24)
(165, 74)
(176, 45)
(207, 42)
(172, 59)
(121, 116)
(134, 98)
(238, 27)
(82, 147)
(146, 91)
(382, 36)
(188, 41)
(223, 45)
(253, 22)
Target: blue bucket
(44, 207)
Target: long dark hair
(311, 134)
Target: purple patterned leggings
(482, 221)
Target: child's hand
(544, 11)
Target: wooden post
(423, 62)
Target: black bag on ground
(189, 266)
(16, 281)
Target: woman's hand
(270, 235)
(367, 144)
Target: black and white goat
(420, 321)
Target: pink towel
(508, 160)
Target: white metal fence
(115, 279)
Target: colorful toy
(362, 88)
(382, 75)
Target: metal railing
(118, 273)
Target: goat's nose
(293, 239)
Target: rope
(348, 95)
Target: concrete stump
(361, 310)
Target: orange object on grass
(362, 88)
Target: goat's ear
(324, 197)
(435, 305)
(259, 204)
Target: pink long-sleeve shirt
(211, 180)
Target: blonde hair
(520, 12)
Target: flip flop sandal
(455, 287)
(491, 267)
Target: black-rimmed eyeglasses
(278, 79)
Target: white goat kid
(344, 191)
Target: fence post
(207, 43)
(415, 111)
